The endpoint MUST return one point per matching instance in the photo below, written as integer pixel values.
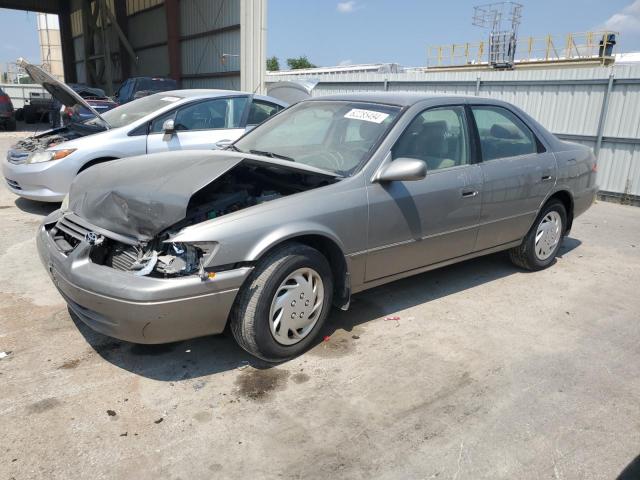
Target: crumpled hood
(141, 196)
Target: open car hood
(141, 196)
(58, 90)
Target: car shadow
(631, 471)
(205, 356)
(36, 208)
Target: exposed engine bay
(244, 186)
(54, 137)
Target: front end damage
(126, 277)
(148, 213)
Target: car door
(199, 125)
(413, 224)
(518, 173)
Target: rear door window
(502, 134)
(260, 111)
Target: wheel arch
(93, 162)
(567, 200)
(327, 245)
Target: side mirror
(168, 127)
(403, 170)
(222, 144)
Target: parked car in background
(7, 113)
(95, 97)
(333, 196)
(139, 87)
(43, 167)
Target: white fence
(599, 107)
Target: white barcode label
(366, 115)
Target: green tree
(273, 65)
(300, 62)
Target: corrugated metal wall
(210, 52)
(218, 40)
(567, 101)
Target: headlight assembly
(48, 155)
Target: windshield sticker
(170, 99)
(366, 115)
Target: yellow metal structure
(571, 47)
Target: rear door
(518, 173)
(199, 125)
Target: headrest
(505, 131)
(369, 130)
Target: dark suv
(7, 113)
(137, 87)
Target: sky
(331, 32)
(399, 31)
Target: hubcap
(548, 235)
(296, 306)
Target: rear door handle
(469, 193)
(546, 178)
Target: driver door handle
(469, 193)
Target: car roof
(196, 93)
(402, 99)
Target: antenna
(502, 19)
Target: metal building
(200, 43)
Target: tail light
(594, 168)
(5, 99)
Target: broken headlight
(48, 155)
(64, 206)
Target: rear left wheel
(281, 308)
(539, 248)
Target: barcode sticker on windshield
(366, 115)
(170, 99)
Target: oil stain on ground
(259, 385)
(43, 405)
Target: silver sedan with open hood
(42, 167)
(333, 196)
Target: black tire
(524, 255)
(11, 125)
(249, 321)
(30, 114)
(19, 114)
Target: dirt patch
(203, 417)
(300, 378)
(44, 405)
(69, 364)
(259, 385)
(339, 344)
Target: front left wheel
(281, 308)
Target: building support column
(603, 116)
(66, 39)
(172, 10)
(121, 19)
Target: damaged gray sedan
(328, 198)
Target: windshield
(337, 136)
(135, 110)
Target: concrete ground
(490, 372)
